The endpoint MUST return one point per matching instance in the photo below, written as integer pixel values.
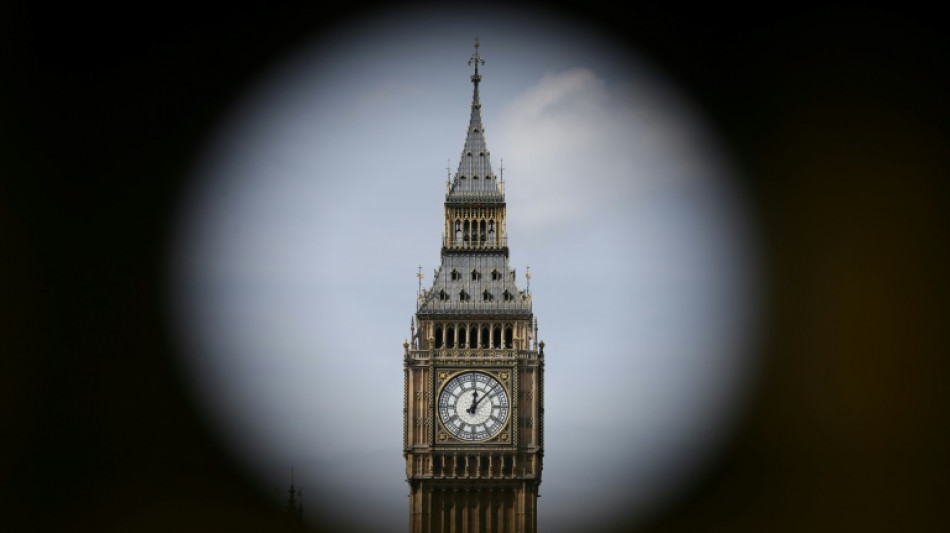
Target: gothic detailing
(473, 413)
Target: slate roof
(446, 294)
(475, 177)
(486, 293)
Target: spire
(474, 276)
(295, 501)
(476, 59)
(475, 175)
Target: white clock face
(473, 406)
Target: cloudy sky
(322, 193)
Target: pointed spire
(295, 501)
(475, 272)
(292, 499)
(475, 175)
(501, 175)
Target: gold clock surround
(505, 435)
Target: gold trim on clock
(462, 412)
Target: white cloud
(585, 148)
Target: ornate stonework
(474, 395)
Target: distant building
(474, 387)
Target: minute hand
(485, 395)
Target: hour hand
(471, 409)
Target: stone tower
(474, 371)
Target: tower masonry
(473, 431)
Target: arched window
(507, 296)
(486, 296)
(463, 296)
(455, 275)
(443, 296)
(476, 275)
(496, 338)
(438, 336)
(450, 337)
(486, 337)
(495, 275)
(462, 337)
(509, 337)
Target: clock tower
(474, 371)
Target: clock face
(473, 406)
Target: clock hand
(474, 405)
(471, 409)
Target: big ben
(474, 369)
